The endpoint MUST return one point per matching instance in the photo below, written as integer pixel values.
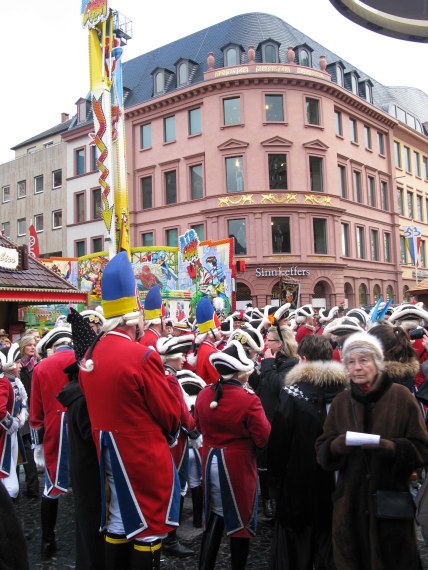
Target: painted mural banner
(65, 267)
(40, 316)
(182, 283)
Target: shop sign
(9, 258)
(293, 271)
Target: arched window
(362, 294)
(340, 79)
(270, 54)
(349, 295)
(304, 57)
(376, 293)
(368, 92)
(159, 82)
(319, 296)
(243, 295)
(406, 294)
(354, 84)
(231, 57)
(389, 293)
(182, 74)
(276, 292)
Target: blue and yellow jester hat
(118, 287)
(153, 306)
(206, 317)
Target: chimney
(64, 117)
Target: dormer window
(365, 90)
(270, 51)
(232, 56)
(270, 54)
(182, 75)
(340, 78)
(304, 58)
(159, 82)
(368, 92)
(82, 110)
(304, 55)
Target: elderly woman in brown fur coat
(302, 533)
(362, 537)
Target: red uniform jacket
(232, 431)
(303, 331)
(46, 412)
(132, 411)
(204, 368)
(150, 337)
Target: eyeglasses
(272, 340)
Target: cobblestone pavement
(29, 513)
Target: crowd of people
(314, 413)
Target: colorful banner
(413, 242)
(211, 274)
(64, 267)
(39, 316)
(33, 248)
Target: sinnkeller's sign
(293, 271)
(9, 258)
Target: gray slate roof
(246, 29)
(57, 129)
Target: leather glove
(14, 426)
(338, 446)
(39, 455)
(386, 446)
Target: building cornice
(250, 78)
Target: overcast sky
(45, 66)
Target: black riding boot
(49, 512)
(146, 555)
(211, 540)
(171, 544)
(268, 511)
(197, 502)
(239, 548)
(117, 552)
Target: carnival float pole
(108, 32)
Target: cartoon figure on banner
(90, 273)
(213, 280)
(154, 270)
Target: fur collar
(396, 369)
(319, 373)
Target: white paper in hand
(354, 438)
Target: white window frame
(20, 220)
(19, 187)
(53, 178)
(3, 228)
(3, 200)
(38, 217)
(35, 184)
(54, 227)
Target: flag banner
(34, 242)
(413, 241)
(123, 237)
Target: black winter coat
(302, 488)
(84, 474)
(271, 380)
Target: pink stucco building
(285, 149)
